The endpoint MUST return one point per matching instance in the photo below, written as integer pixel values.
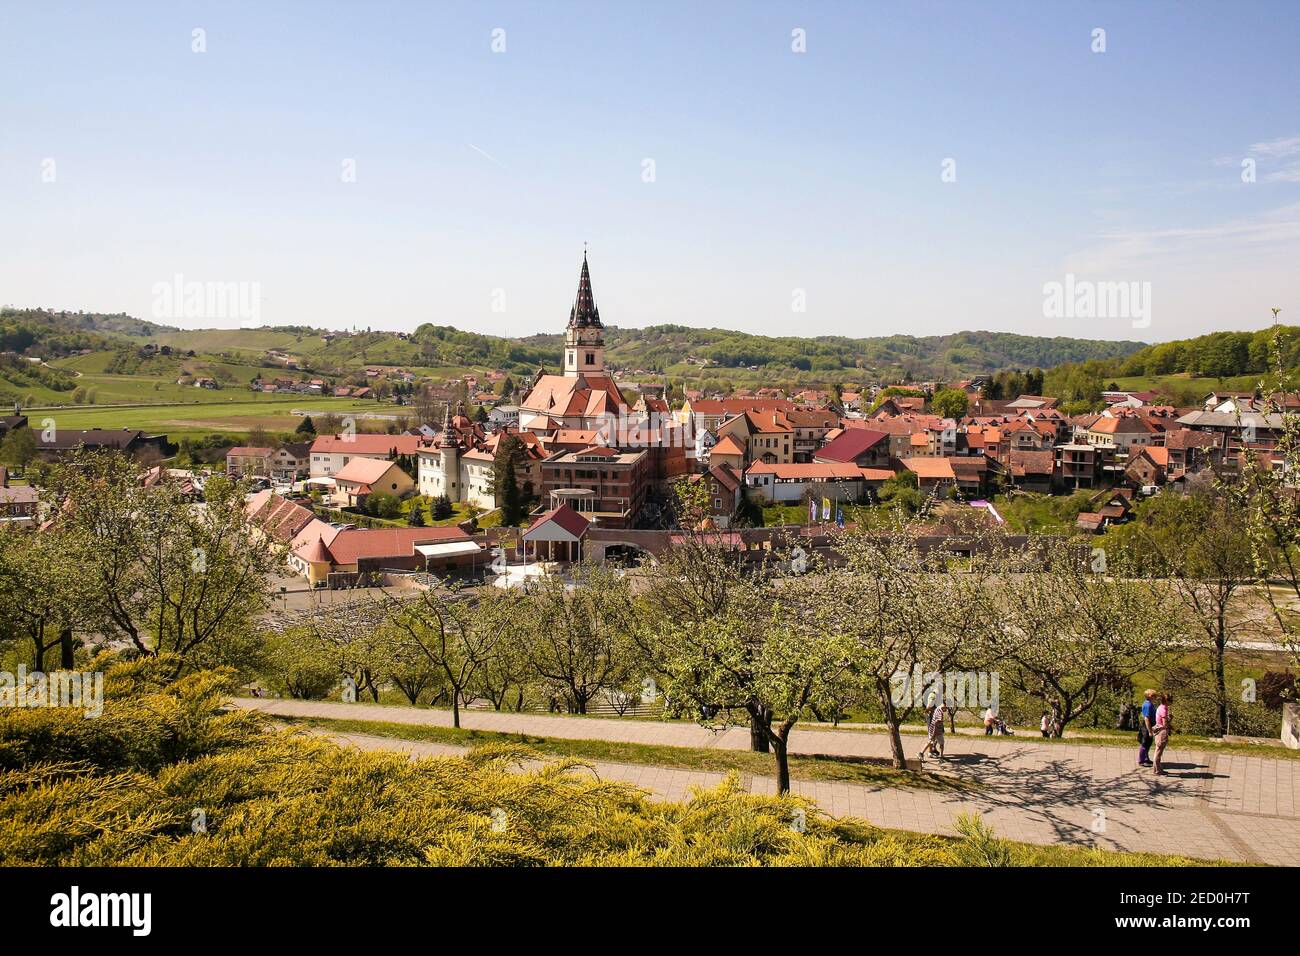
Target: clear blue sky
(774, 171)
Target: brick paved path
(1213, 805)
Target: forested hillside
(1217, 355)
(673, 349)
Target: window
(591, 358)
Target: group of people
(1153, 728)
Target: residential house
(19, 504)
(361, 477)
(1031, 470)
(789, 483)
(246, 460)
(725, 490)
(329, 453)
(290, 462)
(864, 447)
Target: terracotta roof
(277, 515)
(362, 444)
(850, 444)
(1123, 425)
(247, 451)
(350, 545)
(1159, 455)
(808, 471)
(722, 474)
(570, 395)
(1031, 463)
(564, 516)
(728, 446)
(363, 471)
(934, 468)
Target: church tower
(584, 340)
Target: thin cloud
(486, 155)
(1277, 148)
(1287, 174)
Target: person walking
(936, 730)
(1164, 724)
(990, 721)
(1146, 727)
(1045, 725)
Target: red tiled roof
(850, 444)
(363, 471)
(362, 444)
(565, 517)
(727, 446)
(929, 467)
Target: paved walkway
(1212, 805)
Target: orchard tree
(42, 595)
(457, 634)
(1199, 545)
(578, 637)
(915, 609)
(160, 573)
(1073, 632)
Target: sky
(809, 169)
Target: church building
(585, 396)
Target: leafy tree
(1200, 545)
(457, 635)
(42, 597)
(160, 574)
(949, 403)
(306, 426)
(415, 518)
(18, 449)
(577, 638)
(297, 666)
(910, 614)
(1071, 633)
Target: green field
(241, 412)
(1190, 390)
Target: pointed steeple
(446, 439)
(584, 313)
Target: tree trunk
(891, 721)
(455, 708)
(779, 748)
(758, 739)
(66, 661)
(1220, 681)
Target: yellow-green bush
(127, 788)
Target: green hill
(675, 350)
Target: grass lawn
(233, 412)
(845, 769)
(777, 515)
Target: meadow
(233, 412)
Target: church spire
(584, 313)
